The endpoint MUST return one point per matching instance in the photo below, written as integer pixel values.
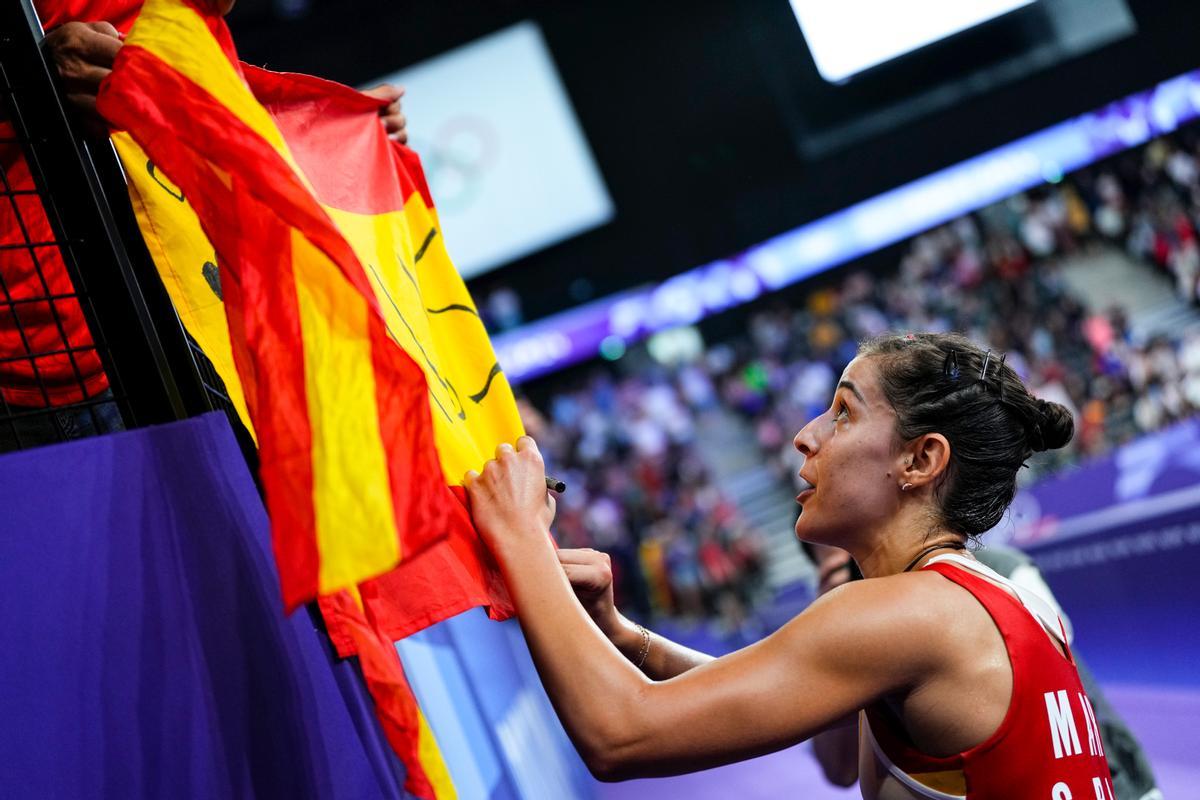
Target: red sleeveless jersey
(1047, 747)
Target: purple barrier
(1155, 475)
(146, 654)
(1118, 540)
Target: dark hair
(944, 383)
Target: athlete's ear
(926, 459)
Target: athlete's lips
(807, 487)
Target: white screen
(506, 159)
(849, 36)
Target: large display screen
(849, 36)
(506, 158)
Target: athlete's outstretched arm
(773, 694)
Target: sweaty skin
(914, 640)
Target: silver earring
(906, 487)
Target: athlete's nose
(808, 440)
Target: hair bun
(1054, 426)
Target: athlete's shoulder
(909, 618)
(922, 597)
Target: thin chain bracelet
(645, 651)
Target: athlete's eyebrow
(853, 389)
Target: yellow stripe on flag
(162, 26)
(430, 756)
(351, 490)
(472, 409)
(186, 261)
(470, 360)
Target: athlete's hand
(590, 574)
(509, 499)
(394, 122)
(83, 54)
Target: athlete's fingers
(581, 556)
(589, 580)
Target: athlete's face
(850, 461)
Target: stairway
(1172, 319)
(1111, 278)
(726, 443)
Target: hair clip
(950, 366)
(910, 337)
(987, 359)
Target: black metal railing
(89, 339)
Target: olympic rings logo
(457, 160)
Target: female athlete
(961, 684)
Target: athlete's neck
(894, 553)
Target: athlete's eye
(843, 413)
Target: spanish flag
(375, 192)
(214, 151)
(349, 464)
(302, 250)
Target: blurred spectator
(1151, 197)
(639, 491)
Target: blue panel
(442, 689)
(539, 758)
(581, 780)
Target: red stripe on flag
(265, 330)
(290, 99)
(395, 705)
(260, 300)
(405, 425)
(414, 173)
(396, 171)
(455, 575)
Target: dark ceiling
(678, 103)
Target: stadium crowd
(640, 491)
(628, 443)
(1151, 200)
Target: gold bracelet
(645, 651)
